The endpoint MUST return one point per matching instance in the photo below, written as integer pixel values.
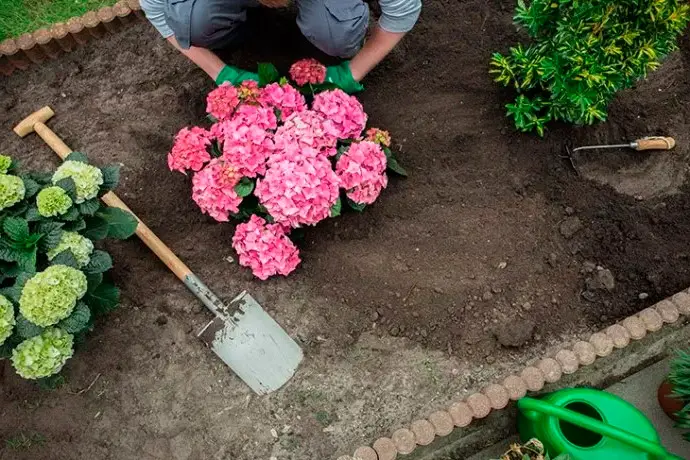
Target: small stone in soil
(515, 332)
(570, 226)
(395, 331)
(589, 267)
(526, 306)
(487, 296)
(374, 315)
(603, 279)
(162, 320)
(589, 296)
(643, 296)
(553, 259)
(569, 211)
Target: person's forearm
(205, 59)
(373, 52)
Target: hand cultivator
(645, 143)
(242, 334)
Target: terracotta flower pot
(668, 403)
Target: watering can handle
(530, 407)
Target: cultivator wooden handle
(655, 143)
(36, 123)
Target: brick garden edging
(548, 370)
(49, 43)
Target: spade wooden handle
(655, 143)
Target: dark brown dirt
(470, 241)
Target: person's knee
(336, 27)
(215, 23)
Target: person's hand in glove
(341, 76)
(235, 76)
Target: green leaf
(71, 215)
(27, 260)
(268, 73)
(75, 226)
(14, 293)
(67, 184)
(103, 299)
(32, 214)
(65, 258)
(121, 224)
(341, 151)
(93, 281)
(96, 228)
(51, 383)
(100, 262)
(111, 177)
(78, 320)
(52, 233)
(43, 178)
(31, 187)
(7, 252)
(359, 207)
(77, 156)
(394, 166)
(244, 187)
(16, 228)
(26, 329)
(89, 207)
(337, 208)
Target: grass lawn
(21, 16)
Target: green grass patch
(21, 16)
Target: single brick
(480, 405)
(498, 396)
(602, 344)
(26, 43)
(404, 441)
(424, 432)
(93, 24)
(682, 301)
(44, 39)
(568, 361)
(442, 422)
(366, 453)
(461, 414)
(107, 17)
(533, 377)
(9, 49)
(668, 311)
(61, 35)
(651, 319)
(618, 335)
(79, 33)
(585, 352)
(635, 327)
(515, 386)
(385, 449)
(6, 67)
(551, 369)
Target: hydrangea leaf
(93, 280)
(359, 207)
(27, 260)
(100, 262)
(111, 177)
(268, 73)
(16, 228)
(76, 226)
(32, 214)
(89, 207)
(71, 215)
(78, 320)
(31, 187)
(244, 187)
(68, 185)
(393, 165)
(65, 258)
(337, 208)
(96, 228)
(52, 233)
(26, 329)
(77, 156)
(121, 224)
(103, 299)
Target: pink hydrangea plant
(297, 193)
(344, 112)
(263, 117)
(362, 172)
(308, 71)
(379, 136)
(284, 98)
(189, 150)
(247, 147)
(248, 92)
(265, 248)
(213, 189)
(308, 129)
(221, 102)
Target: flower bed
(279, 157)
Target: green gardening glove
(341, 76)
(235, 76)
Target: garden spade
(645, 143)
(242, 334)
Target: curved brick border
(532, 378)
(48, 43)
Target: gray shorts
(336, 27)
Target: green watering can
(590, 424)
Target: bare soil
(399, 308)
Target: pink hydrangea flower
(248, 92)
(362, 172)
(263, 117)
(265, 248)
(213, 189)
(295, 152)
(344, 111)
(299, 192)
(247, 147)
(221, 102)
(308, 71)
(306, 129)
(284, 98)
(379, 136)
(189, 150)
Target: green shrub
(680, 379)
(52, 284)
(581, 53)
